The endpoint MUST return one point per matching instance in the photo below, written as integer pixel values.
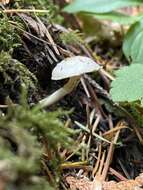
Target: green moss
(13, 75)
(21, 132)
(9, 37)
(72, 37)
(19, 156)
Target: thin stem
(108, 75)
(60, 93)
(24, 11)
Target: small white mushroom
(72, 68)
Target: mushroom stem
(60, 93)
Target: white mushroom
(72, 68)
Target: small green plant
(128, 86)
(23, 132)
(104, 9)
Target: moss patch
(13, 75)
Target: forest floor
(106, 149)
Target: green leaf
(99, 6)
(116, 17)
(132, 45)
(128, 85)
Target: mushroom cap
(74, 66)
